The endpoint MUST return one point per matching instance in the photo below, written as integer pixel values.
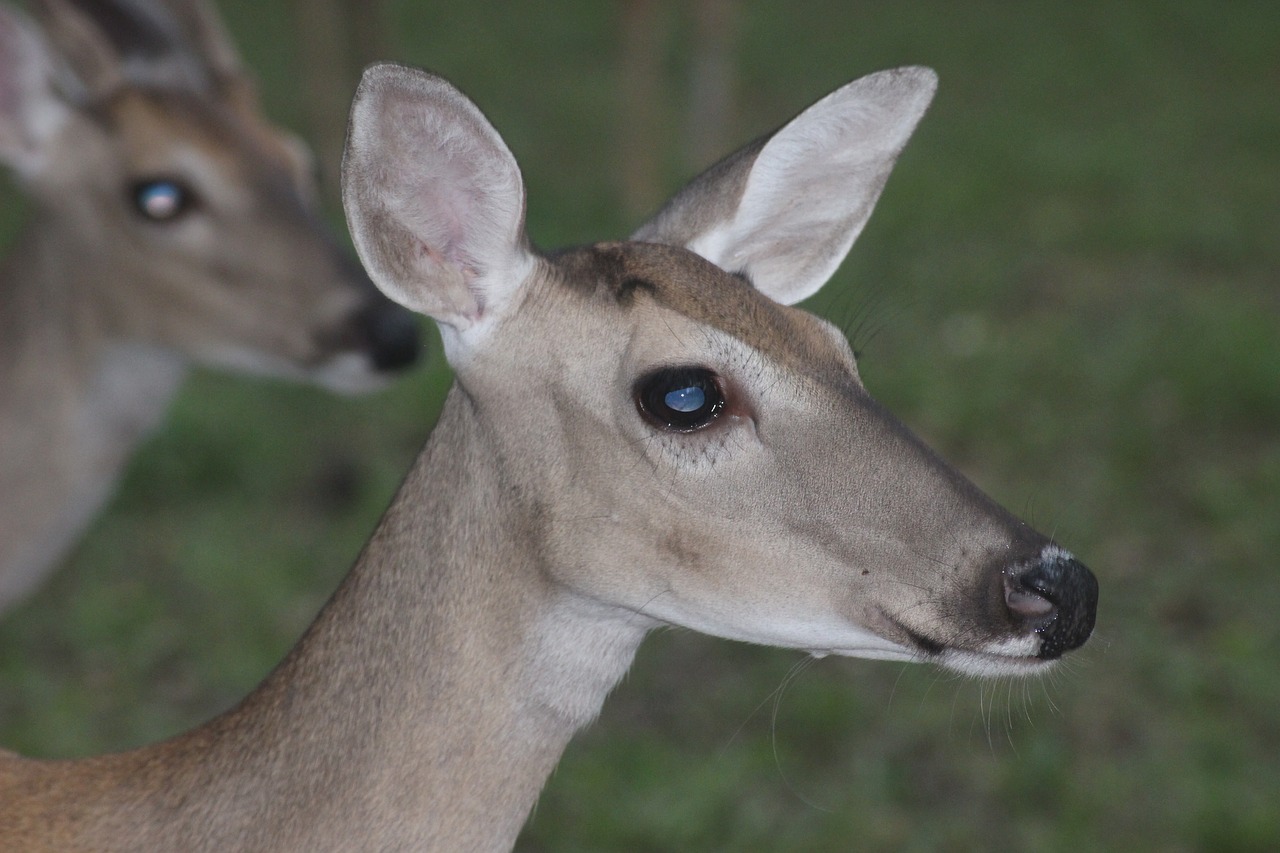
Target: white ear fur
(31, 112)
(785, 211)
(434, 198)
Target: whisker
(787, 680)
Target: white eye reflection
(689, 399)
(160, 200)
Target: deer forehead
(623, 274)
(163, 132)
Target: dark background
(1069, 287)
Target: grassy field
(1073, 285)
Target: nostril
(1056, 597)
(1029, 605)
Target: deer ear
(785, 210)
(205, 32)
(91, 67)
(31, 111)
(434, 199)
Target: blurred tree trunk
(645, 134)
(370, 32)
(336, 38)
(642, 136)
(711, 82)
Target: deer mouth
(1016, 656)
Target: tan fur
(548, 526)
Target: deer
(640, 433)
(172, 224)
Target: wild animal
(170, 223)
(641, 433)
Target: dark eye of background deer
(682, 399)
(161, 199)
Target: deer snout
(371, 342)
(1055, 596)
(392, 335)
(386, 335)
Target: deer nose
(393, 335)
(1055, 596)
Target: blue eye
(681, 399)
(161, 200)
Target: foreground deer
(171, 223)
(641, 433)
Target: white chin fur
(886, 651)
(349, 373)
(344, 373)
(1015, 657)
(987, 665)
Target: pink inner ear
(429, 181)
(441, 208)
(434, 197)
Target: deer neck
(436, 691)
(75, 401)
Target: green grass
(1073, 274)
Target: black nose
(392, 334)
(1057, 597)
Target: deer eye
(683, 399)
(161, 200)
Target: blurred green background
(1070, 287)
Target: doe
(641, 433)
(170, 223)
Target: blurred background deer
(171, 223)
